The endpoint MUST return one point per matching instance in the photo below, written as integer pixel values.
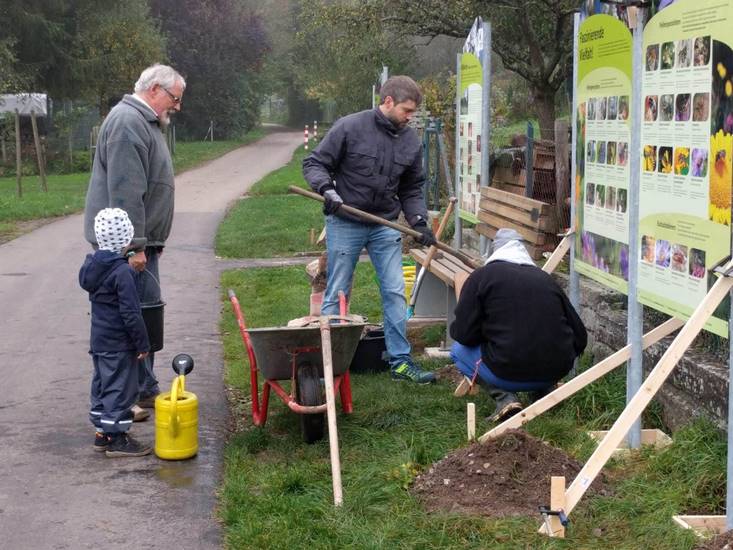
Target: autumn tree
(533, 38)
(342, 47)
(218, 45)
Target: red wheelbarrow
(295, 354)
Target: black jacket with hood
(527, 329)
(117, 321)
(373, 166)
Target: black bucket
(370, 353)
(153, 317)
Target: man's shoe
(147, 402)
(124, 445)
(506, 407)
(101, 442)
(409, 371)
(465, 387)
(139, 414)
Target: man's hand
(142, 355)
(138, 261)
(426, 236)
(333, 201)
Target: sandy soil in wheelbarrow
(508, 476)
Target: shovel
(366, 216)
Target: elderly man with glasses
(133, 170)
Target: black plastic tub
(370, 352)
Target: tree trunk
(544, 107)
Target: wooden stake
(333, 441)
(471, 420)
(581, 381)
(18, 167)
(312, 236)
(558, 254)
(648, 390)
(39, 152)
(557, 502)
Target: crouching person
(515, 329)
(118, 335)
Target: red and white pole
(305, 137)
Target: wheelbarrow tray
(274, 348)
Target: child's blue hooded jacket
(117, 321)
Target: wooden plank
(579, 382)
(530, 235)
(445, 274)
(455, 265)
(557, 502)
(488, 231)
(703, 526)
(525, 203)
(510, 188)
(531, 219)
(558, 254)
(648, 390)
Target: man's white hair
(162, 75)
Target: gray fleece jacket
(133, 171)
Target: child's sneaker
(100, 442)
(124, 445)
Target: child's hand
(142, 355)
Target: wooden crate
(529, 217)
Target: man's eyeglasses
(174, 98)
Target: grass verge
(66, 192)
(277, 490)
(269, 222)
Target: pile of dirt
(507, 476)
(449, 373)
(724, 541)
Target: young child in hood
(118, 335)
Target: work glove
(333, 201)
(426, 237)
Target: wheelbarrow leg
(345, 393)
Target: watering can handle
(180, 381)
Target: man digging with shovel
(372, 160)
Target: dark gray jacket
(376, 167)
(133, 171)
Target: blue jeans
(345, 240)
(468, 358)
(148, 290)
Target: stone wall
(698, 386)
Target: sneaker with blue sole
(408, 371)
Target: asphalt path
(55, 491)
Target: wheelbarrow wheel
(308, 393)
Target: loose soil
(724, 541)
(508, 476)
(449, 373)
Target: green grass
(277, 490)
(269, 222)
(66, 192)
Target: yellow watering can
(176, 416)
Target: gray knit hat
(503, 236)
(113, 229)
